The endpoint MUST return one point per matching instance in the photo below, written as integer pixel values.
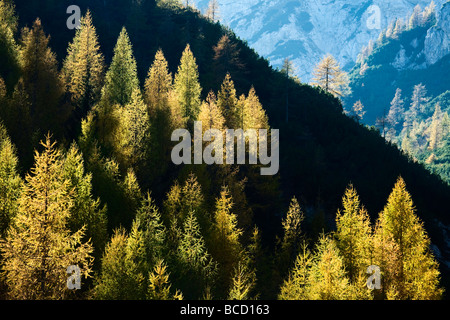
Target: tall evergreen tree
(121, 78)
(329, 76)
(290, 244)
(16, 114)
(157, 90)
(148, 220)
(86, 211)
(288, 70)
(357, 111)
(84, 67)
(123, 272)
(396, 114)
(328, 280)
(210, 114)
(436, 129)
(39, 247)
(182, 200)
(133, 136)
(9, 57)
(197, 270)
(228, 104)
(243, 282)
(227, 249)
(159, 285)
(213, 11)
(254, 115)
(41, 80)
(353, 235)
(158, 84)
(10, 182)
(418, 100)
(418, 274)
(187, 86)
(416, 17)
(297, 284)
(386, 255)
(227, 59)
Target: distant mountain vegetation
(409, 52)
(305, 31)
(402, 81)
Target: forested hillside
(85, 169)
(401, 81)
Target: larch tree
(196, 269)
(39, 247)
(41, 79)
(9, 62)
(328, 279)
(297, 284)
(158, 83)
(148, 220)
(86, 210)
(418, 274)
(182, 200)
(416, 17)
(329, 76)
(228, 103)
(133, 133)
(156, 95)
(10, 182)
(210, 114)
(187, 87)
(429, 13)
(213, 11)
(227, 58)
(386, 255)
(436, 129)
(16, 115)
(292, 234)
(226, 249)
(390, 30)
(418, 100)
(123, 273)
(159, 287)
(399, 27)
(396, 115)
(353, 235)
(121, 78)
(243, 282)
(253, 114)
(83, 69)
(358, 111)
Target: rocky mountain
(437, 42)
(306, 30)
(403, 59)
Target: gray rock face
(306, 30)
(437, 42)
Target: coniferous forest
(87, 180)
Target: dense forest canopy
(87, 117)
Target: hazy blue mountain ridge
(305, 31)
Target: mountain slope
(307, 30)
(321, 150)
(418, 55)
